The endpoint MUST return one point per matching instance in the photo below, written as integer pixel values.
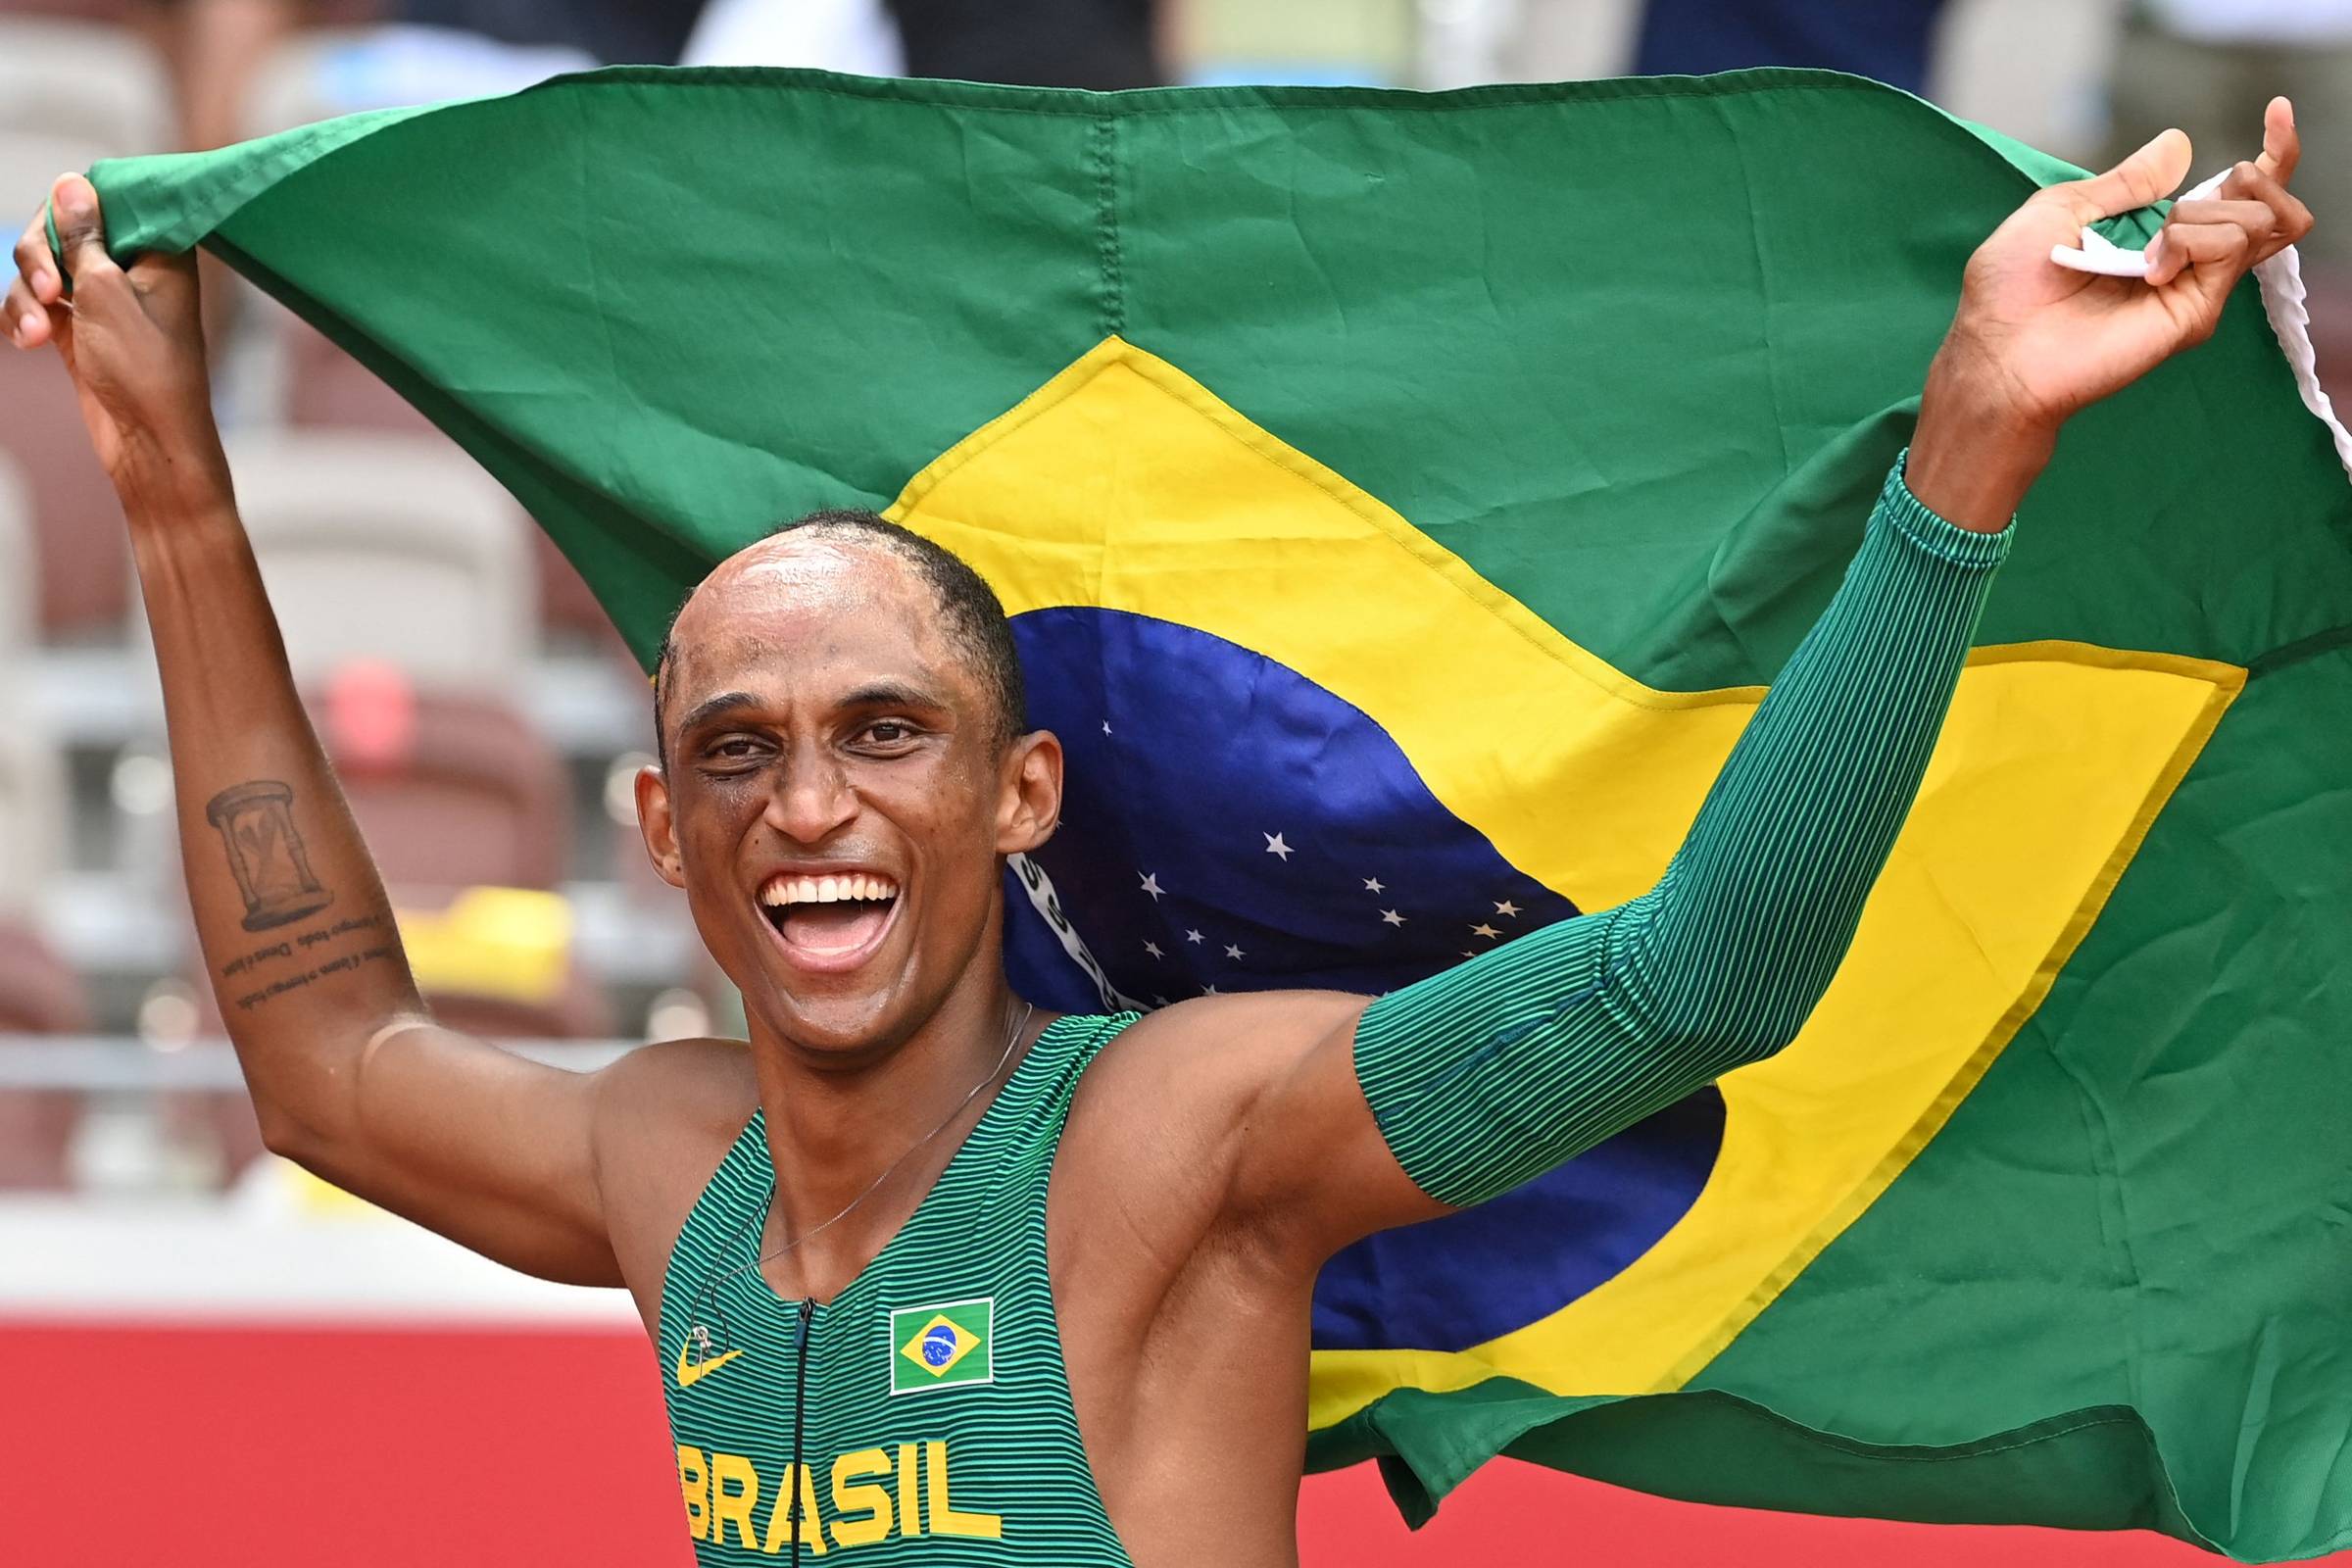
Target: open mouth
(830, 921)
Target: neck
(833, 1132)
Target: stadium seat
(2330, 305)
(32, 780)
(33, 814)
(326, 388)
(469, 795)
(38, 995)
(84, 82)
(84, 563)
(298, 82)
(72, 92)
(399, 548)
(112, 12)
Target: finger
(2168, 253)
(2215, 256)
(27, 322)
(81, 232)
(2255, 218)
(2292, 220)
(2282, 147)
(35, 265)
(2148, 175)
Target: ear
(659, 828)
(1029, 805)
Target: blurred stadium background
(207, 1356)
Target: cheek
(951, 813)
(709, 816)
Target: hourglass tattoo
(256, 820)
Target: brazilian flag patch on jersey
(937, 1346)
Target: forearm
(1496, 1071)
(1741, 934)
(297, 936)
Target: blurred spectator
(1885, 39)
(609, 33)
(1104, 44)
(2209, 66)
(854, 35)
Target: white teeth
(788, 890)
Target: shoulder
(665, 1116)
(701, 1079)
(1168, 1102)
(666, 1103)
(1216, 1048)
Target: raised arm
(347, 1075)
(1454, 1090)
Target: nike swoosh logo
(689, 1374)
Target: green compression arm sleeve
(1494, 1072)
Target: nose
(814, 801)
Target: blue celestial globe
(939, 1346)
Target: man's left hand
(2059, 340)
(2034, 342)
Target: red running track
(252, 1447)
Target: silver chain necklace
(702, 1333)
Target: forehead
(793, 616)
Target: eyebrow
(891, 694)
(711, 708)
(876, 694)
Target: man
(933, 1278)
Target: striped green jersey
(927, 1402)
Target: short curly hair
(975, 617)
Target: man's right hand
(133, 342)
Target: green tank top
(927, 1402)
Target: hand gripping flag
(1403, 501)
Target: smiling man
(934, 1278)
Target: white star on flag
(1507, 907)
(1192, 936)
(1153, 948)
(1106, 727)
(1233, 953)
(1391, 917)
(1372, 884)
(1275, 847)
(1482, 929)
(1151, 885)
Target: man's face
(837, 792)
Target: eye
(734, 753)
(890, 735)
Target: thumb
(2147, 176)
(79, 232)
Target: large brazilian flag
(1404, 502)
